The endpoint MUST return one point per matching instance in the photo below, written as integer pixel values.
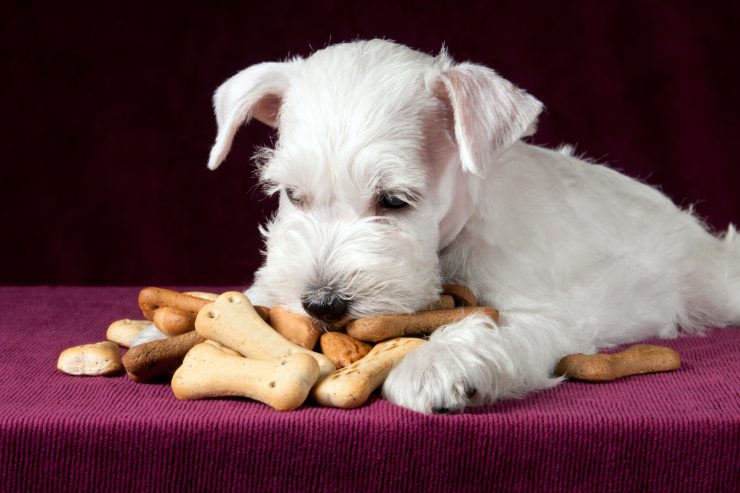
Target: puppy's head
(379, 152)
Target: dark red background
(107, 122)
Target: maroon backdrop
(107, 119)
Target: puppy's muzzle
(326, 305)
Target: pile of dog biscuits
(222, 345)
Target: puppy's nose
(327, 306)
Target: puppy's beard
(375, 266)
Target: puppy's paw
(461, 365)
(429, 381)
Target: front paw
(452, 371)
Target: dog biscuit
(202, 294)
(122, 332)
(173, 321)
(376, 329)
(150, 299)
(281, 383)
(102, 358)
(462, 295)
(156, 360)
(294, 327)
(342, 349)
(231, 320)
(351, 386)
(222, 347)
(635, 360)
(262, 310)
(445, 302)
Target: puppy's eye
(391, 201)
(295, 197)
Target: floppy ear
(488, 113)
(256, 92)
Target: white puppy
(399, 171)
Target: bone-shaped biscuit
(383, 327)
(635, 360)
(262, 310)
(352, 385)
(281, 383)
(232, 321)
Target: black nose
(328, 306)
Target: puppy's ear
(487, 113)
(256, 92)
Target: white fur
(575, 255)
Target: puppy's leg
(474, 362)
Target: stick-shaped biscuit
(642, 358)
(232, 321)
(173, 321)
(294, 327)
(375, 329)
(445, 302)
(209, 372)
(352, 385)
(462, 295)
(158, 359)
(122, 332)
(152, 298)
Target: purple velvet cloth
(663, 432)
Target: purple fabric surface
(665, 432)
